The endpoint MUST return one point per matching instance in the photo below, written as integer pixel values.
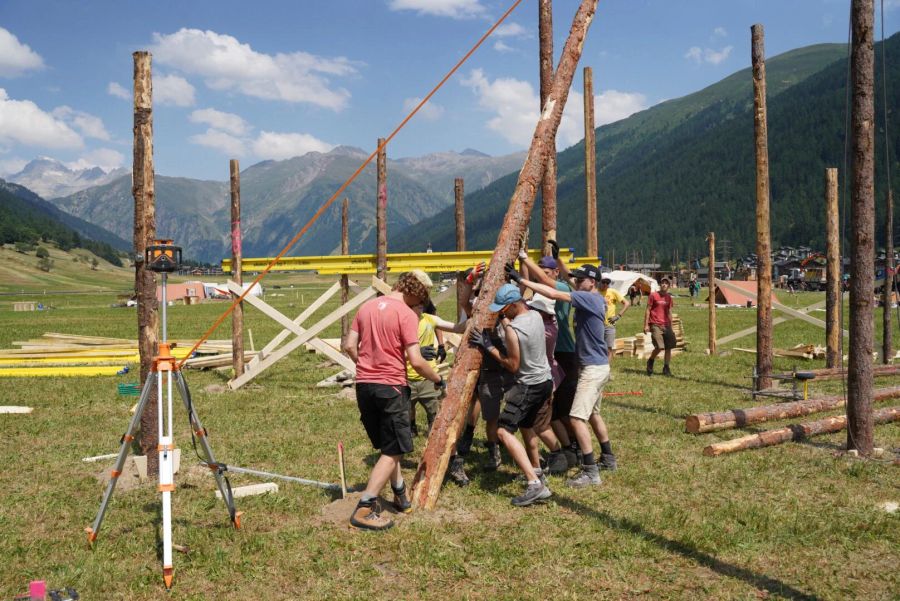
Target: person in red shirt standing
(658, 323)
(384, 334)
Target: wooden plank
(251, 489)
(15, 409)
(299, 340)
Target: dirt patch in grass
(128, 480)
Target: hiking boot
(366, 517)
(649, 367)
(571, 458)
(494, 460)
(533, 493)
(401, 499)
(457, 473)
(608, 462)
(464, 444)
(414, 429)
(667, 371)
(589, 476)
(557, 463)
(541, 474)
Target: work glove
(481, 339)
(554, 248)
(429, 353)
(523, 254)
(614, 319)
(475, 273)
(442, 385)
(512, 274)
(441, 353)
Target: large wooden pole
(590, 167)
(548, 184)
(460, 196)
(763, 237)
(237, 316)
(144, 193)
(345, 280)
(887, 344)
(381, 213)
(461, 382)
(832, 271)
(862, 226)
(712, 293)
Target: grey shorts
(663, 336)
(492, 387)
(610, 336)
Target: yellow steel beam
(56, 372)
(397, 262)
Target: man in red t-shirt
(384, 334)
(658, 323)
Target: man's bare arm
(351, 344)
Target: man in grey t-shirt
(526, 356)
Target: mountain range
(50, 178)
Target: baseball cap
(586, 271)
(542, 304)
(507, 295)
(548, 263)
(605, 281)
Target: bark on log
(763, 235)
(832, 271)
(839, 374)
(795, 432)
(144, 193)
(887, 332)
(739, 418)
(460, 198)
(862, 227)
(548, 184)
(712, 294)
(463, 376)
(237, 315)
(592, 247)
(381, 213)
(345, 280)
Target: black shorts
(565, 392)
(523, 404)
(492, 386)
(384, 411)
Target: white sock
(399, 485)
(534, 482)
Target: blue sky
(270, 80)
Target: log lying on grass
(738, 418)
(795, 432)
(837, 373)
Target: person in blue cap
(526, 356)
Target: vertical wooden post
(460, 196)
(548, 184)
(712, 293)
(763, 236)
(862, 225)
(833, 324)
(345, 280)
(381, 213)
(887, 345)
(144, 193)
(463, 376)
(237, 316)
(590, 167)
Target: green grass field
(797, 521)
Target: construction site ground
(780, 523)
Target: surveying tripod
(163, 258)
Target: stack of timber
(800, 351)
(641, 345)
(55, 354)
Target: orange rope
(344, 186)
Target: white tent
(623, 280)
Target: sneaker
(557, 462)
(589, 476)
(464, 444)
(457, 473)
(608, 462)
(542, 476)
(533, 493)
(667, 371)
(571, 458)
(494, 460)
(649, 367)
(366, 517)
(401, 499)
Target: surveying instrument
(163, 258)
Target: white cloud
(720, 32)
(11, 166)
(511, 30)
(708, 55)
(277, 145)
(114, 89)
(226, 64)
(501, 46)
(173, 90)
(89, 125)
(515, 106)
(431, 111)
(105, 158)
(15, 57)
(219, 140)
(227, 122)
(23, 122)
(455, 9)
